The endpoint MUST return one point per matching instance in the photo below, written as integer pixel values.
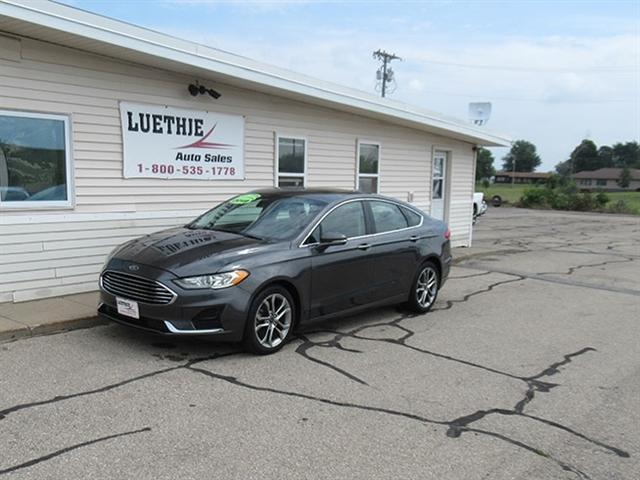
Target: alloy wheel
(273, 320)
(427, 287)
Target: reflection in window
(291, 162)
(387, 217)
(368, 167)
(33, 158)
(347, 219)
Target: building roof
(524, 174)
(606, 174)
(74, 28)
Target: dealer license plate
(128, 308)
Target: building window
(585, 181)
(368, 167)
(601, 183)
(35, 160)
(292, 162)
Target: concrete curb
(22, 332)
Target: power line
(385, 74)
(593, 69)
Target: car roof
(327, 194)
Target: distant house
(606, 179)
(521, 177)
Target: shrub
(534, 197)
(601, 199)
(486, 183)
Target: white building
(72, 186)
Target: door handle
(364, 246)
(414, 238)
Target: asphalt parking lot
(528, 367)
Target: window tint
(347, 219)
(33, 159)
(387, 217)
(412, 217)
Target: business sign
(167, 142)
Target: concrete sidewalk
(52, 315)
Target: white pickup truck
(479, 205)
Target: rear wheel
(425, 288)
(270, 321)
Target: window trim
(306, 236)
(276, 171)
(446, 183)
(69, 203)
(368, 175)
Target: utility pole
(385, 74)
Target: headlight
(216, 281)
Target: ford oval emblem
(133, 268)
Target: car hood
(187, 252)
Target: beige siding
(57, 252)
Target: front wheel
(425, 288)
(270, 321)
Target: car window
(387, 217)
(270, 217)
(347, 219)
(412, 217)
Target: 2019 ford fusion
(255, 266)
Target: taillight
(447, 234)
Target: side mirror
(332, 238)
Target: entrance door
(439, 192)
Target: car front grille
(136, 288)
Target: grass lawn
(631, 198)
(512, 193)
(509, 193)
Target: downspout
(473, 189)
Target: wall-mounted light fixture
(197, 89)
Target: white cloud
(550, 90)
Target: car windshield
(255, 216)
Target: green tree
(484, 164)
(605, 154)
(585, 157)
(524, 155)
(626, 155)
(625, 178)
(564, 168)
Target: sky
(556, 72)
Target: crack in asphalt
(460, 425)
(571, 270)
(455, 427)
(59, 398)
(62, 451)
(548, 279)
(460, 277)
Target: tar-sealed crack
(71, 448)
(454, 428)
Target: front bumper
(217, 313)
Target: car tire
(423, 292)
(270, 321)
